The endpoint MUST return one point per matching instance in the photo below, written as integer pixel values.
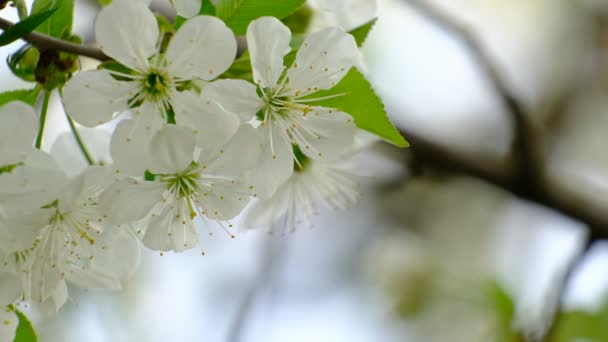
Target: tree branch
(44, 42)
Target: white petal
(187, 8)
(239, 155)
(116, 256)
(17, 132)
(268, 42)
(130, 199)
(128, 32)
(274, 167)
(322, 61)
(8, 324)
(212, 125)
(223, 201)
(172, 229)
(38, 182)
(11, 288)
(235, 96)
(264, 213)
(325, 134)
(48, 260)
(130, 141)
(172, 150)
(92, 97)
(204, 47)
(66, 151)
(19, 233)
(51, 305)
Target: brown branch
(44, 42)
(528, 180)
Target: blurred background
(447, 244)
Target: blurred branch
(270, 255)
(528, 180)
(44, 42)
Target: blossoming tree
(202, 127)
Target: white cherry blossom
(314, 184)
(68, 239)
(184, 187)
(202, 48)
(280, 102)
(187, 8)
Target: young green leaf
(25, 26)
(362, 103)
(207, 8)
(28, 96)
(239, 13)
(25, 331)
(360, 33)
(60, 23)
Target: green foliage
(25, 331)
(581, 326)
(104, 2)
(501, 304)
(360, 33)
(23, 62)
(60, 23)
(54, 68)
(28, 96)
(240, 69)
(299, 20)
(239, 13)
(207, 8)
(25, 26)
(362, 103)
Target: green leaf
(23, 62)
(24, 27)
(207, 8)
(28, 96)
(239, 13)
(360, 33)
(362, 103)
(59, 25)
(25, 331)
(581, 326)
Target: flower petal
(8, 324)
(275, 165)
(19, 233)
(322, 61)
(116, 255)
(235, 96)
(204, 47)
(130, 141)
(172, 150)
(11, 288)
(223, 201)
(17, 132)
(92, 97)
(129, 200)
(187, 8)
(268, 42)
(239, 155)
(264, 213)
(128, 32)
(172, 229)
(325, 134)
(212, 125)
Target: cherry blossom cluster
(188, 145)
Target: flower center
(156, 84)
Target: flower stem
(83, 148)
(21, 9)
(77, 136)
(45, 107)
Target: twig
(270, 253)
(45, 42)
